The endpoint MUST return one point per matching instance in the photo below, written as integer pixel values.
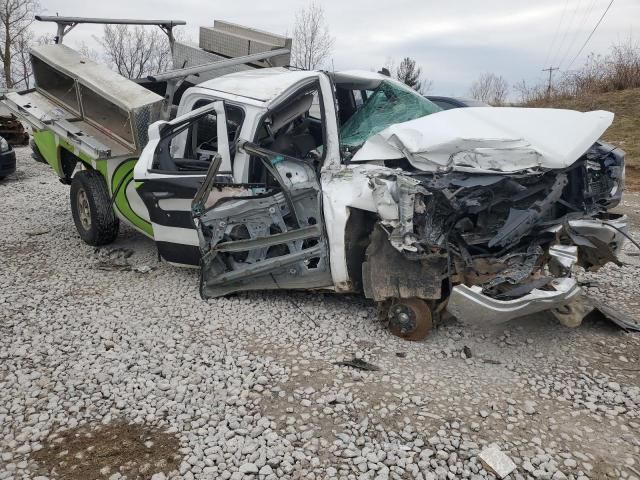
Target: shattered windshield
(389, 103)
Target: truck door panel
(263, 236)
(168, 202)
(175, 175)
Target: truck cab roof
(267, 84)
(264, 84)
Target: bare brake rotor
(410, 318)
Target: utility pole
(550, 70)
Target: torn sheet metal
(261, 238)
(624, 321)
(489, 140)
(565, 256)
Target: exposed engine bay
(502, 233)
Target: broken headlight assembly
(605, 172)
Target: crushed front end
(498, 246)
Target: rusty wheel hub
(410, 318)
(84, 211)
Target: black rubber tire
(35, 153)
(104, 224)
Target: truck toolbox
(104, 99)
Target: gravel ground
(111, 372)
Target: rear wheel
(410, 318)
(93, 215)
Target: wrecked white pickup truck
(353, 182)
(483, 211)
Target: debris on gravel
(496, 461)
(108, 373)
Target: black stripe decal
(179, 253)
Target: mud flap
(387, 273)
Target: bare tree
(490, 88)
(135, 51)
(21, 63)
(16, 16)
(312, 41)
(21, 70)
(426, 87)
(87, 52)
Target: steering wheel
(191, 164)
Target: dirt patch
(632, 179)
(100, 451)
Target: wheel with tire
(91, 208)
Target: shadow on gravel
(18, 176)
(135, 451)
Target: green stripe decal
(122, 177)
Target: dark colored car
(7, 159)
(447, 103)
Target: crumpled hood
(503, 139)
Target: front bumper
(7, 163)
(471, 306)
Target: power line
(583, 21)
(591, 34)
(555, 35)
(568, 27)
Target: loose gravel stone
(245, 386)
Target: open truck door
(171, 170)
(261, 236)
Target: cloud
(454, 42)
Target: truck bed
(43, 114)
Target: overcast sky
(453, 41)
